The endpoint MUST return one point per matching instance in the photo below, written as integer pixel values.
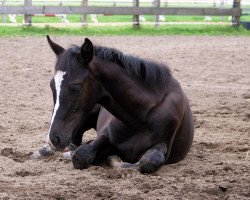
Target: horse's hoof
(151, 161)
(45, 151)
(83, 157)
(78, 164)
(147, 168)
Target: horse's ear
(87, 51)
(55, 47)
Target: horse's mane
(151, 74)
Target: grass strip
(146, 30)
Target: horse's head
(75, 92)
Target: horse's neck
(127, 95)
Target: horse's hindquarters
(183, 139)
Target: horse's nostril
(56, 141)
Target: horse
(137, 107)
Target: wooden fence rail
(28, 10)
(31, 10)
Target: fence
(154, 8)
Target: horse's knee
(83, 157)
(151, 161)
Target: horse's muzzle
(54, 148)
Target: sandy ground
(215, 74)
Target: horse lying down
(136, 106)
(87, 124)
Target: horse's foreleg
(46, 151)
(153, 159)
(85, 155)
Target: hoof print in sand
(16, 156)
(6, 152)
(24, 173)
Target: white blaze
(58, 81)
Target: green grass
(125, 30)
(245, 18)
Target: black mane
(151, 74)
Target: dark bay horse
(137, 107)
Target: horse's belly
(133, 148)
(122, 138)
(127, 152)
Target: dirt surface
(213, 71)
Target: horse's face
(74, 95)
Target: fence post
(27, 18)
(157, 17)
(236, 19)
(221, 7)
(4, 16)
(136, 18)
(84, 16)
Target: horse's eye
(76, 89)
